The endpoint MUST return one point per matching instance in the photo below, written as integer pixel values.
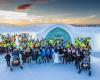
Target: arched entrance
(58, 33)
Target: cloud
(21, 18)
(17, 15)
(92, 16)
(89, 17)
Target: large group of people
(52, 51)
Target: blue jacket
(43, 52)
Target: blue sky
(57, 8)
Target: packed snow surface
(49, 71)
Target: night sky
(63, 9)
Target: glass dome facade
(58, 33)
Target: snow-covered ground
(49, 71)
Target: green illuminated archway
(58, 33)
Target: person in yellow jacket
(76, 42)
(68, 45)
(88, 40)
(4, 44)
(83, 45)
(14, 44)
(30, 44)
(8, 45)
(76, 45)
